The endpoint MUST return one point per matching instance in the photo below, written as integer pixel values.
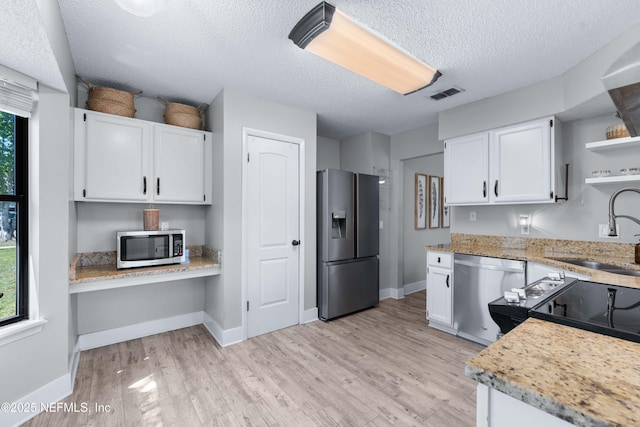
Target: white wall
(42, 358)
(98, 222)
(414, 241)
(115, 308)
(239, 111)
(328, 156)
(414, 144)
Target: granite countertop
(90, 267)
(584, 378)
(544, 251)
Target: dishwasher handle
(491, 267)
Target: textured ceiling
(25, 46)
(191, 49)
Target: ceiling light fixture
(331, 34)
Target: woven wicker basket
(182, 114)
(184, 120)
(617, 131)
(111, 107)
(109, 100)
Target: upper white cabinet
(179, 165)
(466, 170)
(514, 164)
(119, 159)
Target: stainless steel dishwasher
(476, 282)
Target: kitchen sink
(601, 266)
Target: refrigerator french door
(348, 242)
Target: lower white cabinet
(440, 290)
(496, 409)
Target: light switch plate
(603, 231)
(472, 216)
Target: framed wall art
(420, 204)
(434, 201)
(446, 210)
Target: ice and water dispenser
(339, 224)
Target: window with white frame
(16, 102)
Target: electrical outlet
(472, 216)
(603, 231)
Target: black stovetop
(596, 307)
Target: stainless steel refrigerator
(348, 241)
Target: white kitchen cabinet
(112, 157)
(440, 290)
(466, 170)
(509, 165)
(520, 159)
(120, 159)
(179, 165)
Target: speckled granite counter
(91, 267)
(585, 378)
(544, 251)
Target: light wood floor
(379, 367)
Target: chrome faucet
(613, 216)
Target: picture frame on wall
(420, 203)
(446, 210)
(434, 201)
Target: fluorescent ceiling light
(331, 34)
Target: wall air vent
(446, 93)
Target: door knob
(295, 242)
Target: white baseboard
(224, 337)
(73, 364)
(50, 393)
(410, 288)
(394, 293)
(112, 336)
(310, 315)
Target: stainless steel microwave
(149, 248)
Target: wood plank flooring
(379, 367)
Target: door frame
(246, 133)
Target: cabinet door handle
(484, 188)
(158, 186)
(144, 185)
(495, 188)
(447, 281)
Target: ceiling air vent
(446, 93)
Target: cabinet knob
(495, 188)
(144, 185)
(484, 189)
(447, 281)
(295, 242)
(438, 260)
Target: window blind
(17, 92)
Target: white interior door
(273, 218)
